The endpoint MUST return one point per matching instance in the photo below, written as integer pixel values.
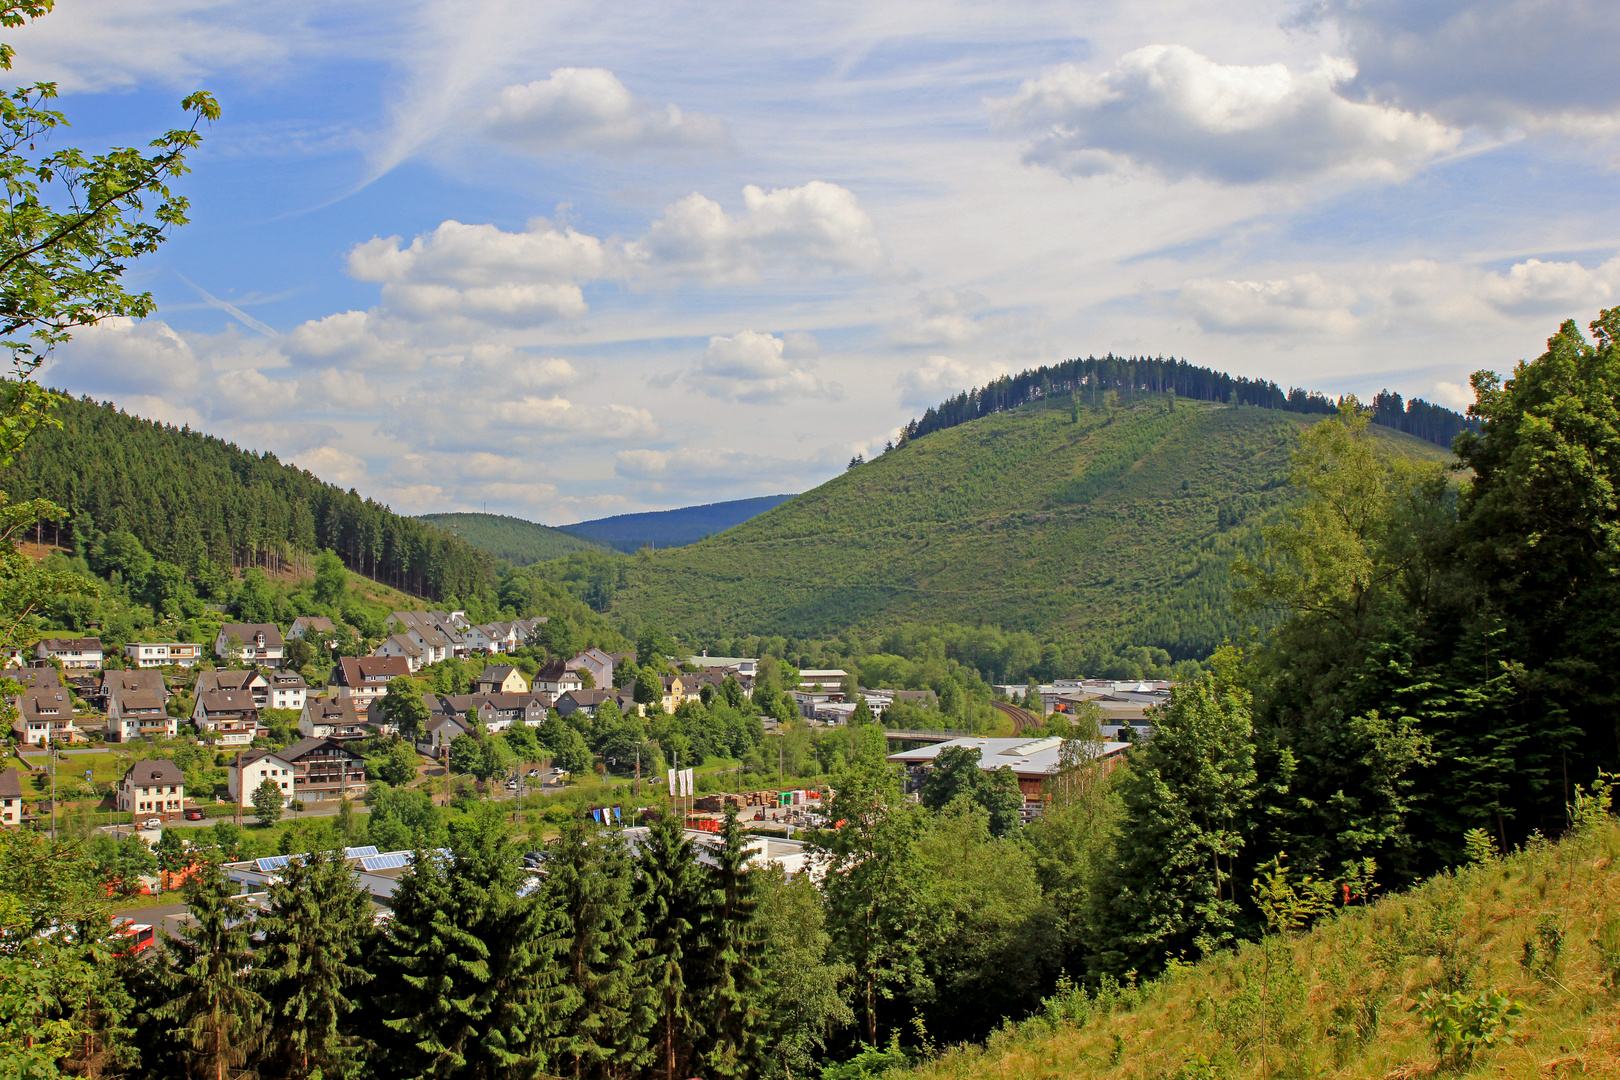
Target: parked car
(194, 815)
(511, 785)
(152, 823)
(532, 773)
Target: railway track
(1022, 721)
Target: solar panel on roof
(273, 862)
(360, 852)
(392, 861)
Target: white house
(75, 654)
(253, 769)
(155, 787)
(151, 654)
(287, 690)
(255, 643)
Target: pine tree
(1186, 801)
(668, 893)
(470, 963)
(604, 1016)
(728, 960)
(216, 1015)
(310, 964)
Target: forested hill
(517, 541)
(193, 500)
(673, 528)
(1107, 524)
(1129, 377)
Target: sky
(569, 259)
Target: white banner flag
(672, 783)
(686, 781)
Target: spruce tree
(310, 965)
(216, 1016)
(604, 1017)
(469, 962)
(668, 892)
(728, 960)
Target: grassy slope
(1341, 997)
(1022, 519)
(513, 539)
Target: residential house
(598, 663)
(589, 701)
(366, 678)
(402, 647)
(114, 680)
(256, 643)
(287, 690)
(35, 678)
(75, 654)
(306, 625)
(230, 717)
(437, 633)
(678, 689)
(138, 712)
(251, 769)
(555, 677)
(250, 681)
(333, 718)
(325, 769)
(502, 679)
(496, 712)
(45, 713)
(157, 654)
(741, 668)
(153, 787)
(478, 639)
(10, 797)
(441, 730)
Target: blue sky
(573, 259)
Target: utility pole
(50, 761)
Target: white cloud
(1456, 395)
(940, 377)
(944, 318)
(719, 471)
(1354, 300)
(99, 45)
(590, 108)
(122, 356)
(815, 227)
(1530, 62)
(1172, 110)
(356, 340)
(1304, 303)
(482, 272)
(751, 366)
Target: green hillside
(517, 541)
(673, 528)
(1093, 524)
(1506, 968)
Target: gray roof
(10, 784)
(156, 771)
(246, 632)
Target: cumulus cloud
(692, 469)
(940, 377)
(751, 366)
(1179, 113)
(944, 317)
(482, 272)
(589, 108)
(1530, 62)
(1304, 303)
(1357, 299)
(815, 227)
